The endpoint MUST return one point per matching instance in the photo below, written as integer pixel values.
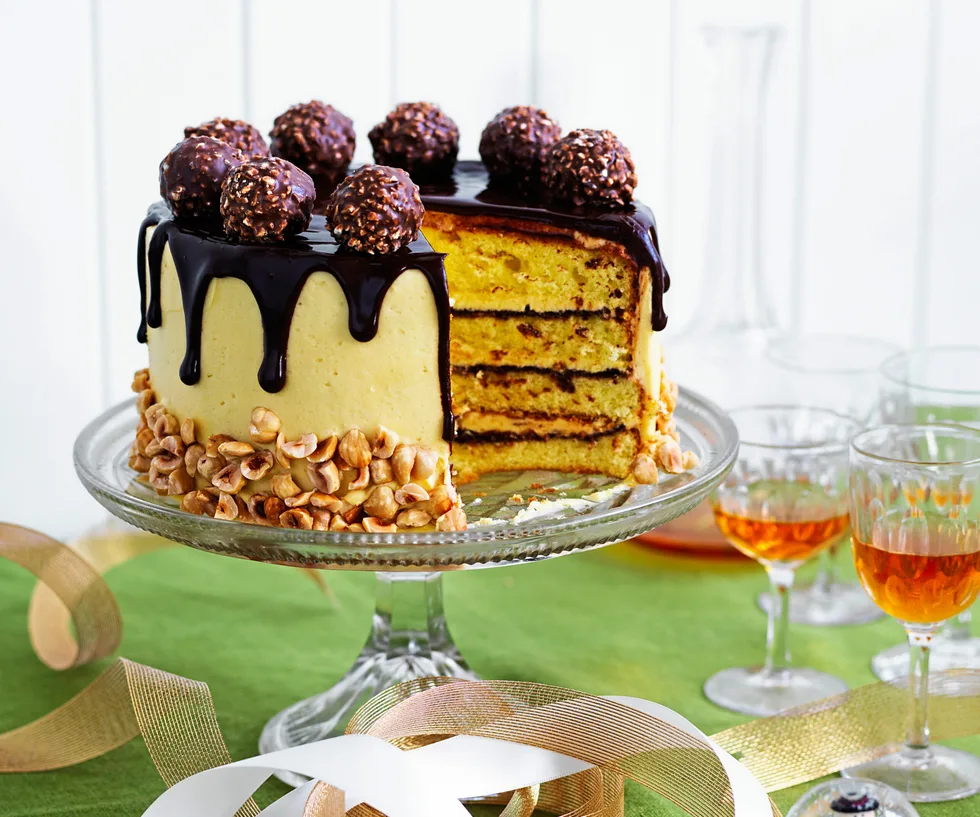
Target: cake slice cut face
(556, 363)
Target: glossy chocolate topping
(634, 226)
(276, 275)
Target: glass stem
(408, 615)
(920, 644)
(777, 634)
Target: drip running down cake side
(332, 350)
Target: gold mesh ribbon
(176, 717)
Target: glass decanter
(721, 351)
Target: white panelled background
(872, 144)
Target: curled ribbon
(590, 745)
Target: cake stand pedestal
(409, 639)
(514, 518)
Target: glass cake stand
(514, 518)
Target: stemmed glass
(785, 500)
(935, 384)
(915, 524)
(839, 372)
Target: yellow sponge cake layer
(610, 454)
(492, 263)
(579, 341)
(548, 393)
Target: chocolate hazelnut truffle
(235, 132)
(514, 144)
(376, 210)
(266, 200)
(316, 137)
(192, 173)
(417, 137)
(590, 167)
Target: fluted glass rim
(774, 355)
(967, 431)
(826, 447)
(887, 370)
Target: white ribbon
(426, 782)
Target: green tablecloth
(619, 621)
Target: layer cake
(340, 370)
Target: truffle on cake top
(514, 145)
(376, 210)
(417, 137)
(590, 167)
(266, 200)
(315, 137)
(235, 132)
(191, 175)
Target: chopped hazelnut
(354, 449)
(227, 507)
(402, 462)
(645, 470)
(297, 519)
(140, 463)
(165, 425)
(180, 482)
(327, 501)
(214, 441)
(283, 486)
(324, 450)
(234, 450)
(413, 518)
(298, 500)
(229, 479)
(199, 502)
(273, 508)
(208, 467)
(264, 425)
(670, 457)
(187, 431)
(410, 493)
(690, 460)
(425, 463)
(373, 525)
(144, 401)
(257, 465)
(381, 503)
(384, 443)
(381, 471)
(173, 445)
(325, 476)
(300, 448)
(143, 439)
(167, 463)
(192, 456)
(452, 520)
(141, 380)
(362, 480)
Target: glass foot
(409, 639)
(754, 691)
(946, 653)
(830, 606)
(924, 775)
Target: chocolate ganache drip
(276, 275)
(470, 193)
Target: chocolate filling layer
(276, 274)
(468, 193)
(465, 436)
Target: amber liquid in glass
(922, 569)
(796, 526)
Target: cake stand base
(409, 639)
